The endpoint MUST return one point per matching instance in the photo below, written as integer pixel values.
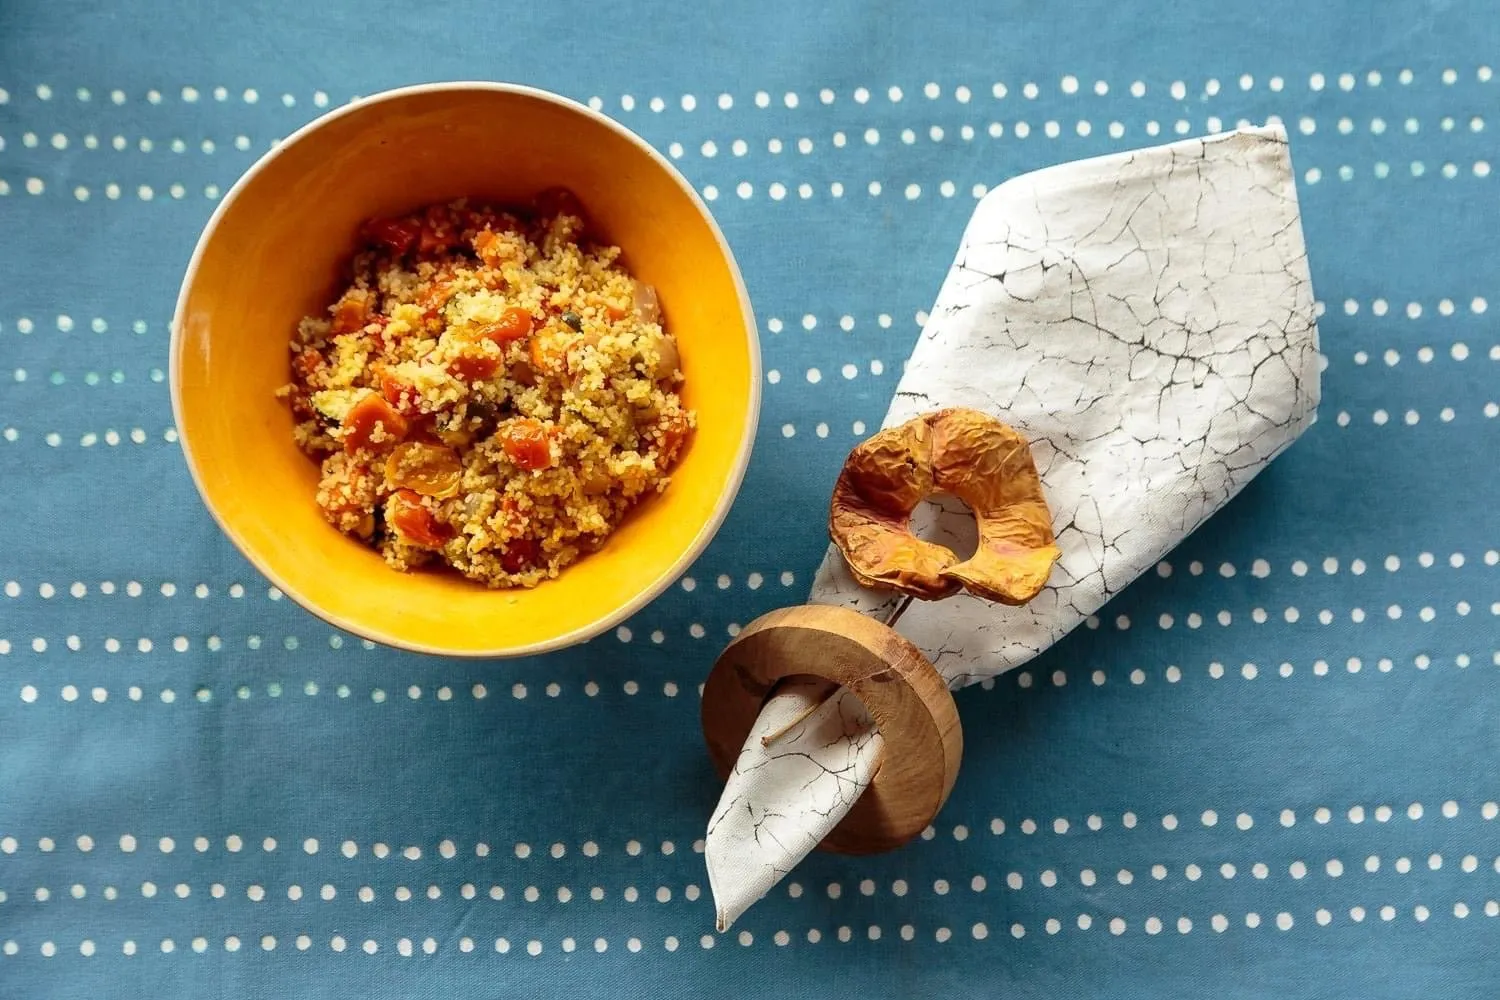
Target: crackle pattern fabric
(1145, 322)
(1265, 770)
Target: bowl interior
(276, 254)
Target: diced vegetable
(514, 324)
(414, 523)
(372, 418)
(645, 303)
(351, 312)
(674, 431)
(549, 352)
(395, 235)
(667, 358)
(522, 373)
(400, 394)
(307, 364)
(520, 555)
(527, 443)
(474, 366)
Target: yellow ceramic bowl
(272, 253)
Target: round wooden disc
(904, 693)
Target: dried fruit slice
(971, 455)
(431, 470)
(882, 481)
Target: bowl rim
(729, 491)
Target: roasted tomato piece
(352, 311)
(414, 522)
(520, 555)
(514, 324)
(370, 413)
(439, 232)
(306, 365)
(400, 394)
(549, 351)
(433, 470)
(674, 431)
(474, 366)
(527, 443)
(395, 235)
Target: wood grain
(907, 698)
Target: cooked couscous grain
(492, 392)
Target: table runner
(1266, 770)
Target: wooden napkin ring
(903, 692)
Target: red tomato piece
(369, 413)
(527, 443)
(401, 395)
(520, 555)
(674, 431)
(351, 312)
(307, 364)
(414, 522)
(514, 324)
(395, 235)
(474, 367)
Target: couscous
(492, 392)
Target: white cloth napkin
(1146, 320)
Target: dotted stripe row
(89, 378)
(1260, 569)
(1287, 818)
(66, 324)
(1165, 621)
(1249, 671)
(1173, 673)
(448, 849)
(175, 190)
(1458, 351)
(776, 191)
(1117, 926)
(254, 892)
(445, 849)
(874, 367)
(1380, 417)
(60, 141)
(1047, 878)
(257, 893)
(112, 437)
(1444, 306)
(1418, 168)
(806, 145)
(1291, 615)
(204, 694)
(1068, 85)
(872, 136)
(236, 591)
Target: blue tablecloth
(1268, 770)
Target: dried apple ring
(883, 480)
(976, 458)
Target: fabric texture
(1267, 770)
(1145, 323)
